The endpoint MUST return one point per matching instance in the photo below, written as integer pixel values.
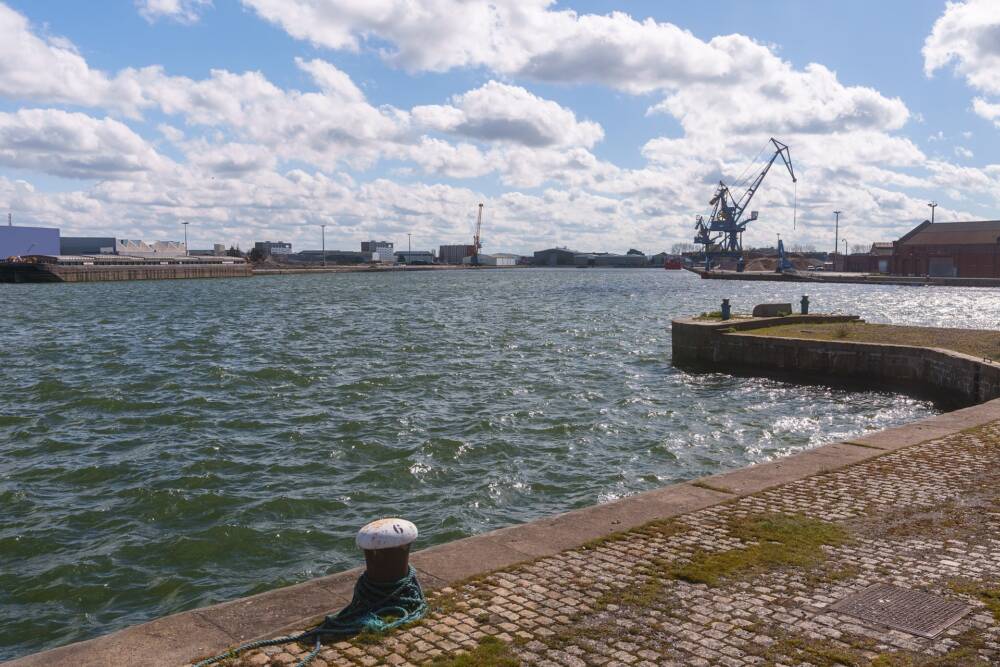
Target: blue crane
(722, 234)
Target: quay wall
(854, 279)
(952, 376)
(99, 273)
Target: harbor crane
(722, 233)
(476, 243)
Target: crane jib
(722, 233)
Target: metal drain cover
(915, 612)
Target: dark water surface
(166, 445)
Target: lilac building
(15, 241)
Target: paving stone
(573, 608)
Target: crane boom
(476, 243)
(724, 229)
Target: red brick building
(957, 249)
(877, 260)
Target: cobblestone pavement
(924, 518)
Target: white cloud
(182, 11)
(47, 69)
(967, 36)
(987, 110)
(257, 159)
(785, 100)
(519, 37)
(333, 125)
(74, 145)
(501, 112)
(962, 151)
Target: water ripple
(165, 445)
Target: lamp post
(933, 206)
(323, 232)
(836, 234)
(185, 223)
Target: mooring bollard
(805, 304)
(727, 312)
(386, 596)
(386, 544)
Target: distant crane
(724, 229)
(476, 243)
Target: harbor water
(167, 445)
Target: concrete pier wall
(952, 376)
(17, 273)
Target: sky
(592, 125)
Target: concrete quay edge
(186, 636)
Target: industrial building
(268, 248)
(566, 257)
(455, 254)
(877, 260)
(375, 246)
(611, 260)
(218, 250)
(415, 256)
(555, 257)
(496, 259)
(949, 249)
(106, 245)
(331, 257)
(17, 241)
(379, 251)
(87, 245)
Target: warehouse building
(415, 257)
(455, 254)
(496, 259)
(107, 245)
(329, 256)
(611, 260)
(949, 249)
(87, 245)
(555, 257)
(379, 251)
(268, 248)
(17, 241)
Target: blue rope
(402, 601)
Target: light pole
(323, 228)
(836, 233)
(933, 206)
(185, 223)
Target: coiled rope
(400, 602)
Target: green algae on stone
(774, 540)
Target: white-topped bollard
(386, 544)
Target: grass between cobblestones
(491, 652)
(776, 540)
(988, 594)
(647, 593)
(816, 652)
(963, 656)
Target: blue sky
(588, 124)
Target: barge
(92, 268)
